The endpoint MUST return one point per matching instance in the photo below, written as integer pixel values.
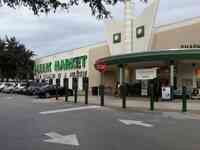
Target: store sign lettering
(78, 74)
(42, 68)
(190, 46)
(62, 65)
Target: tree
(2, 48)
(98, 7)
(15, 60)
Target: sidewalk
(139, 103)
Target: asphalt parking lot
(28, 123)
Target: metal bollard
(184, 99)
(57, 85)
(151, 97)
(101, 91)
(75, 95)
(86, 87)
(56, 92)
(75, 87)
(123, 94)
(66, 86)
(86, 96)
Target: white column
(172, 75)
(172, 79)
(128, 13)
(121, 75)
(194, 78)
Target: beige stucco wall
(95, 54)
(163, 38)
(112, 27)
(59, 56)
(174, 38)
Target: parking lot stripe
(69, 109)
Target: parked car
(2, 85)
(34, 88)
(50, 90)
(23, 90)
(178, 93)
(19, 88)
(9, 88)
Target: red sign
(101, 67)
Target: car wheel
(47, 95)
(34, 93)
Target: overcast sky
(64, 31)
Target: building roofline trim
(73, 49)
(162, 55)
(175, 25)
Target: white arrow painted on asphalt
(135, 122)
(60, 139)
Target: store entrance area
(171, 77)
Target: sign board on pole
(101, 67)
(144, 88)
(146, 74)
(166, 93)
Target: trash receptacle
(94, 91)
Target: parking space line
(69, 109)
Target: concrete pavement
(139, 103)
(23, 127)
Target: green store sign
(62, 65)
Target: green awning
(162, 55)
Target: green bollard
(152, 97)
(86, 87)
(75, 87)
(56, 92)
(75, 95)
(57, 86)
(123, 94)
(66, 86)
(184, 100)
(101, 90)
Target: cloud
(63, 31)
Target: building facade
(131, 45)
(174, 51)
(76, 63)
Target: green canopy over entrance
(162, 55)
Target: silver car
(9, 88)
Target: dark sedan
(50, 91)
(34, 87)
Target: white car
(2, 86)
(9, 87)
(19, 87)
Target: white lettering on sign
(146, 74)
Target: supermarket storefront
(76, 63)
(175, 68)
